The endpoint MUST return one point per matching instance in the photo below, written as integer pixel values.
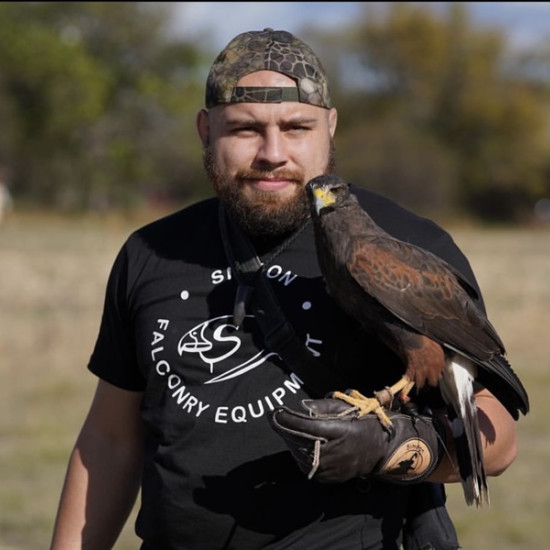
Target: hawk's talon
(382, 401)
(366, 405)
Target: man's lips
(275, 184)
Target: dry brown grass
(513, 268)
(52, 284)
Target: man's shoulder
(396, 219)
(190, 215)
(189, 227)
(192, 218)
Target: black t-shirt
(215, 475)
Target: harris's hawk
(422, 308)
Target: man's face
(259, 156)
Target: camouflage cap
(267, 50)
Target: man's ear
(332, 121)
(203, 126)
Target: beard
(265, 215)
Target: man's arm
(104, 471)
(498, 438)
(332, 443)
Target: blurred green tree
(96, 100)
(436, 118)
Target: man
(184, 396)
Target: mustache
(254, 174)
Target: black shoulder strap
(255, 292)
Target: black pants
(428, 525)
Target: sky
(525, 22)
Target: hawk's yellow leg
(382, 399)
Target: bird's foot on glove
(366, 405)
(380, 403)
(332, 444)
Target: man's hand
(331, 444)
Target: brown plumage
(423, 309)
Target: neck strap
(254, 292)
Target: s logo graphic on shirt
(218, 341)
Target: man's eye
(298, 128)
(244, 130)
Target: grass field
(52, 281)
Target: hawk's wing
(433, 298)
(424, 292)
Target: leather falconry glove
(332, 444)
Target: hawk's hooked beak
(322, 198)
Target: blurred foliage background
(98, 104)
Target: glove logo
(411, 460)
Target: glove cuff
(416, 450)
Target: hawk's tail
(457, 390)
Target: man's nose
(273, 149)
